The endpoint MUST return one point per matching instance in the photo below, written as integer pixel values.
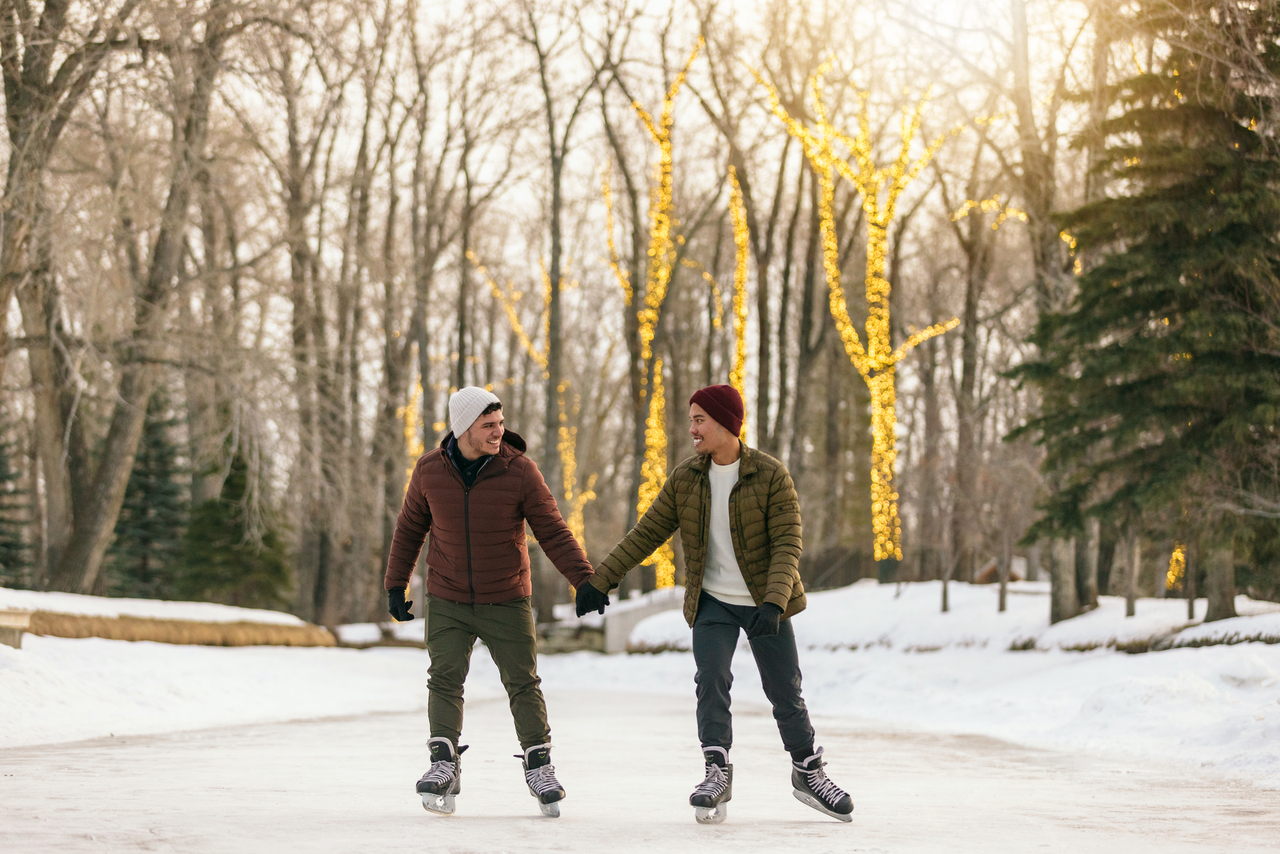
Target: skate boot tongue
(716, 756)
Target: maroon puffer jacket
(477, 552)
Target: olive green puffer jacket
(764, 517)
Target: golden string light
(741, 235)
(654, 473)
(508, 302)
(661, 258)
(624, 279)
(1177, 568)
(880, 189)
(717, 319)
(988, 206)
(576, 501)
(568, 436)
(411, 415)
(661, 246)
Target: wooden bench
(12, 625)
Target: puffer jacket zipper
(466, 516)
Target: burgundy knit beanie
(723, 403)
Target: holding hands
(590, 599)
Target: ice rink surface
(628, 762)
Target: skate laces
(715, 782)
(441, 772)
(822, 785)
(542, 779)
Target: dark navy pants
(715, 637)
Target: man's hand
(765, 623)
(590, 599)
(397, 606)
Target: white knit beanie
(465, 406)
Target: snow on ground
(908, 617)
(628, 762)
(869, 652)
(99, 606)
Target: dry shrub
(178, 631)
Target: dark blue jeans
(715, 637)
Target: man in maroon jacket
(473, 494)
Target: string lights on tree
(654, 473)
(1177, 568)
(411, 415)
(742, 253)
(880, 189)
(661, 259)
(575, 500)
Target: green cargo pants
(507, 630)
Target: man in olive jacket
(739, 521)
(474, 494)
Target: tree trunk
(81, 561)
(1191, 567)
(811, 339)
(1063, 604)
(1092, 544)
(1131, 582)
(1220, 584)
(784, 317)
(930, 465)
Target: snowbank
(99, 606)
(907, 617)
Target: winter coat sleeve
(783, 524)
(412, 526)
(654, 528)
(550, 529)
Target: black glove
(397, 606)
(765, 623)
(590, 599)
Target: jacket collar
(748, 462)
(513, 445)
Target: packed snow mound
(154, 609)
(1243, 629)
(908, 618)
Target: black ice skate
(443, 780)
(540, 775)
(710, 799)
(812, 787)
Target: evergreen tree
(1161, 380)
(16, 553)
(223, 561)
(143, 559)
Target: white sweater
(722, 577)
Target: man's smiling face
(709, 435)
(484, 436)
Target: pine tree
(223, 560)
(16, 553)
(1161, 378)
(143, 560)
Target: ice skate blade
(438, 804)
(711, 815)
(810, 801)
(551, 810)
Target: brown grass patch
(178, 631)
